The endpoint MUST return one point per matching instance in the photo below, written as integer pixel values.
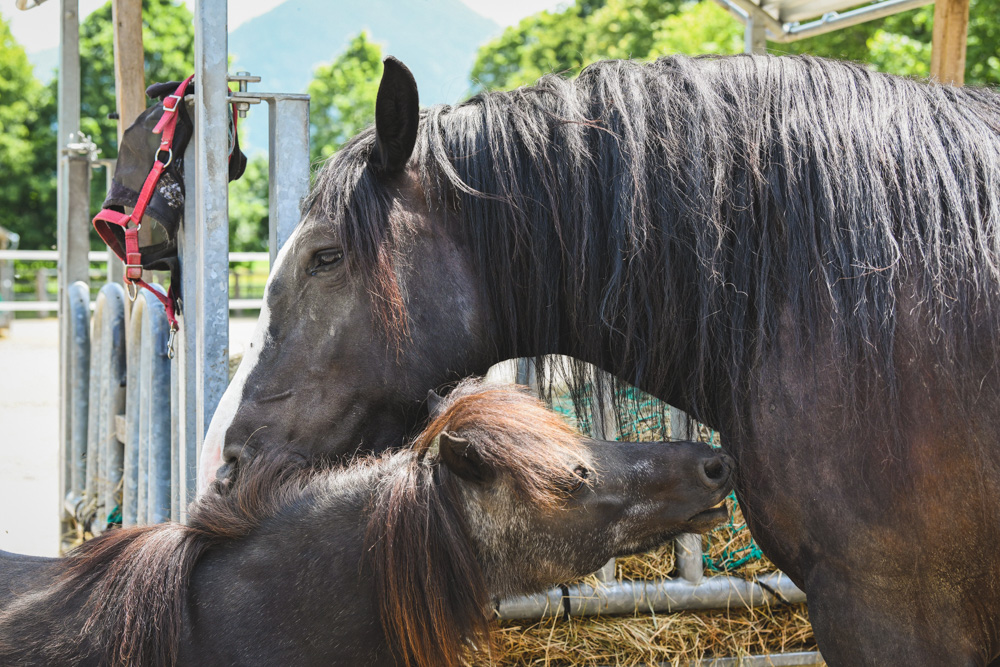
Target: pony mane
(435, 605)
(664, 217)
(133, 582)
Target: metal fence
(8, 241)
(103, 265)
(133, 419)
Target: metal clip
(133, 290)
(170, 342)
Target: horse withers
(296, 566)
(801, 253)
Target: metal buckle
(177, 100)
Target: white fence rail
(100, 257)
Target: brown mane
(432, 592)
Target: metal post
(288, 165)
(69, 126)
(688, 546)
(200, 367)
(73, 242)
(75, 465)
(754, 35)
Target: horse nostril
(715, 471)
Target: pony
(496, 497)
(801, 253)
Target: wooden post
(130, 77)
(951, 23)
(130, 81)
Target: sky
(36, 29)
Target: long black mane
(707, 197)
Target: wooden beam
(130, 77)
(951, 24)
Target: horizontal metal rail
(99, 256)
(662, 595)
(49, 306)
(796, 659)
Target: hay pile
(673, 639)
(655, 639)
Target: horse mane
(134, 581)
(435, 605)
(708, 198)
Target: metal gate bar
(147, 493)
(106, 402)
(75, 460)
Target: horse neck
(39, 623)
(309, 554)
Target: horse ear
(397, 114)
(434, 401)
(461, 457)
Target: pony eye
(581, 474)
(326, 258)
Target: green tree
(701, 28)
(27, 148)
(248, 210)
(168, 45)
(342, 96)
(646, 29)
(543, 43)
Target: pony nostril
(716, 471)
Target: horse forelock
(431, 587)
(699, 201)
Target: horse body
(390, 561)
(801, 253)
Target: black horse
(497, 497)
(803, 254)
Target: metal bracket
(243, 78)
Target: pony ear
(397, 114)
(461, 457)
(434, 401)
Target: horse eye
(581, 474)
(326, 258)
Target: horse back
(20, 574)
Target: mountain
(437, 39)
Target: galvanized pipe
(210, 224)
(796, 659)
(106, 401)
(78, 312)
(663, 595)
(133, 421)
(288, 164)
(152, 392)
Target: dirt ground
(29, 433)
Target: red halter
(133, 257)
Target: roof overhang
(791, 20)
(24, 5)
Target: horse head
(349, 339)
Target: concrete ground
(29, 433)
